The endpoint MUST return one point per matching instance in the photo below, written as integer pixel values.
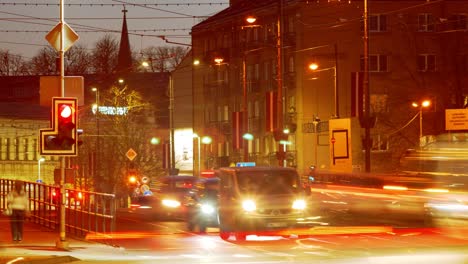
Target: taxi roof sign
(245, 164)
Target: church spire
(124, 62)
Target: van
(262, 200)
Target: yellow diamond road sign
(70, 36)
(131, 154)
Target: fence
(85, 212)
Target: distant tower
(124, 62)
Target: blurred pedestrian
(18, 203)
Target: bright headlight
(299, 204)
(170, 203)
(249, 205)
(207, 209)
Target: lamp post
(198, 153)
(41, 159)
(423, 104)
(315, 68)
(316, 122)
(96, 90)
(284, 143)
(206, 140)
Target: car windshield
(268, 182)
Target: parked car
(203, 210)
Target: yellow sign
(456, 119)
(131, 154)
(70, 36)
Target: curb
(49, 260)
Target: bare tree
(163, 59)
(12, 64)
(44, 63)
(78, 60)
(104, 55)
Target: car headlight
(249, 205)
(299, 204)
(207, 208)
(170, 203)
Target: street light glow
(251, 19)
(218, 60)
(247, 136)
(313, 66)
(206, 140)
(155, 141)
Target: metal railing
(85, 212)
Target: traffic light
(62, 138)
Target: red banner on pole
(271, 111)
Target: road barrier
(86, 212)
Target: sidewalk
(38, 246)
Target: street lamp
(316, 122)
(315, 68)
(195, 135)
(285, 143)
(423, 104)
(41, 159)
(96, 170)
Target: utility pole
(62, 243)
(279, 47)
(367, 116)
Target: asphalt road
(147, 240)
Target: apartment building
(256, 78)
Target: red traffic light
(62, 137)
(65, 110)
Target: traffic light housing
(62, 138)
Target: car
(263, 200)
(203, 210)
(170, 198)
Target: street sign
(131, 154)
(70, 36)
(456, 119)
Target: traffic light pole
(62, 243)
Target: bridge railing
(86, 212)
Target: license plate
(277, 224)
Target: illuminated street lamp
(218, 60)
(41, 159)
(423, 104)
(251, 19)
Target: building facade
(416, 50)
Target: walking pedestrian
(18, 204)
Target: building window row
(379, 63)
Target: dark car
(203, 211)
(170, 199)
